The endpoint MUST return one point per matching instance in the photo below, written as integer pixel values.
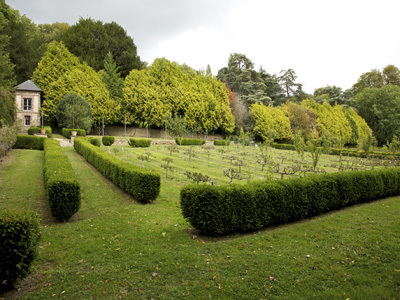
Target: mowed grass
(115, 248)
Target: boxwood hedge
(29, 142)
(139, 143)
(19, 236)
(66, 132)
(218, 210)
(108, 140)
(94, 141)
(221, 143)
(62, 187)
(186, 142)
(34, 129)
(143, 185)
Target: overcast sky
(325, 42)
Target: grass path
(115, 248)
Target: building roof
(28, 86)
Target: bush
(143, 185)
(62, 187)
(139, 142)
(19, 236)
(29, 142)
(234, 208)
(66, 132)
(221, 143)
(95, 141)
(34, 129)
(186, 142)
(108, 140)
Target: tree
(73, 111)
(7, 107)
(331, 94)
(291, 88)
(176, 125)
(7, 77)
(380, 108)
(92, 40)
(391, 75)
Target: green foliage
(92, 40)
(302, 120)
(377, 79)
(29, 142)
(139, 143)
(94, 141)
(7, 106)
(394, 146)
(8, 137)
(34, 129)
(176, 125)
(222, 142)
(187, 142)
(234, 208)
(167, 89)
(67, 132)
(380, 108)
(108, 140)
(299, 144)
(73, 111)
(267, 118)
(143, 185)
(315, 149)
(62, 187)
(19, 236)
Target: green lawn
(116, 248)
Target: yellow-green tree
(267, 118)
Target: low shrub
(187, 142)
(143, 185)
(34, 129)
(62, 187)
(66, 132)
(108, 140)
(19, 236)
(95, 141)
(139, 143)
(221, 143)
(218, 210)
(29, 142)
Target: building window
(27, 120)
(27, 103)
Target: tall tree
(391, 75)
(288, 82)
(92, 40)
(332, 94)
(112, 78)
(380, 108)
(7, 77)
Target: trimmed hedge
(143, 185)
(29, 142)
(221, 143)
(186, 142)
(95, 141)
(19, 236)
(62, 187)
(139, 143)
(219, 210)
(66, 132)
(34, 129)
(108, 140)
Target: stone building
(28, 101)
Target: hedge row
(108, 140)
(62, 187)
(66, 132)
(29, 142)
(143, 185)
(139, 143)
(186, 142)
(94, 141)
(221, 143)
(19, 236)
(218, 210)
(34, 129)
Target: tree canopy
(73, 111)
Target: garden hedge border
(35, 129)
(144, 143)
(29, 142)
(219, 210)
(222, 142)
(19, 235)
(108, 140)
(62, 187)
(143, 185)
(66, 132)
(186, 142)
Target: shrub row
(221, 143)
(186, 142)
(66, 132)
(34, 129)
(108, 140)
(143, 185)
(62, 187)
(29, 142)
(139, 143)
(19, 236)
(218, 210)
